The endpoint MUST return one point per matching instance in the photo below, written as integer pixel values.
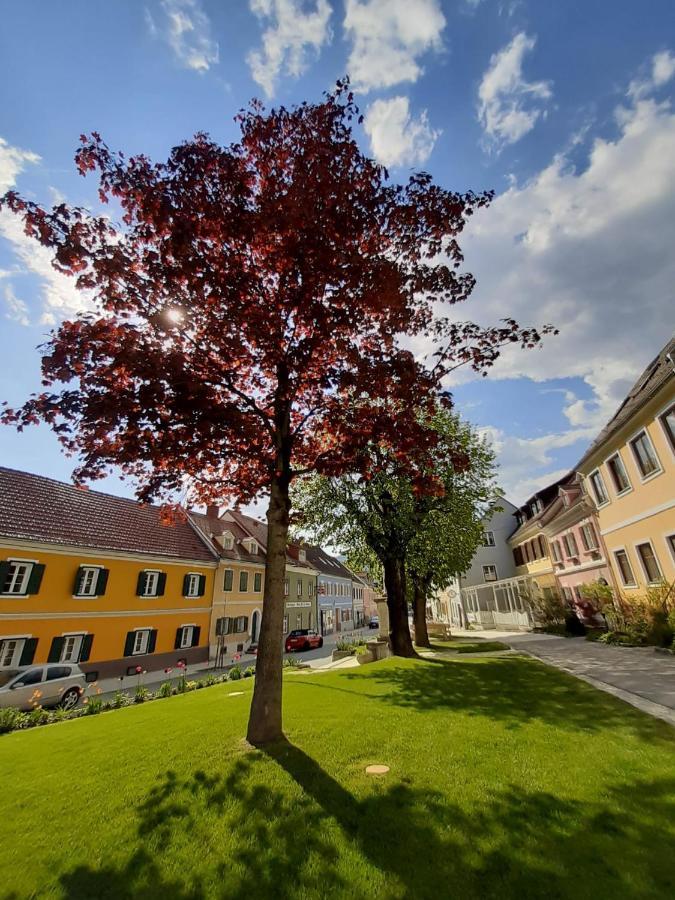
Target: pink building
(576, 546)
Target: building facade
(300, 591)
(334, 591)
(90, 578)
(629, 475)
(528, 543)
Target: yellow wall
(54, 610)
(647, 511)
(236, 603)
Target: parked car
(303, 639)
(51, 684)
(374, 623)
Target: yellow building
(239, 582)
(95, 579)
(629, 472)
(528, 542)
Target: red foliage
(247, 313)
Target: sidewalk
(637, 675)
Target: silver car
(49, 684)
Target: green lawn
(466, 645)
(508, 779)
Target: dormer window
(251, 546)
(226, 540)
(302, 556)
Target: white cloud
(292, 34)
(591, 252)
(387, 38)
(662, 70)
(396, 138)
(12, 162)
(187, 30)
(17, 311)
(509, 106)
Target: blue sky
(564, 108)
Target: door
(255, 625)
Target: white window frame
(489, 539)
(599, 504)
(568, 538)
(636, 458)
(154, 581)
(670, 442)
(299, 587)
(227, 539)
(629, 587)
(302, 556)
(648, 581)
(490, 580)
(73, 655)
(231, 587)
(141, 647)
(555, 551)
(193, 584)
(623, 491)
(94, 571)
(287, 586)
(257, 575)
(243, 590)
(593, 530)
(29, 564)
(20, 643)
(187, 631)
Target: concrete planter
(341, 654)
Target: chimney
(212, 511)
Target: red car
(303, 639)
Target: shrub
(595, 634)
(291, 662)
(94, 705)
(548, 607)
(165, 690)
(235, 673)
(210, 680)
(249, 671)
(141, 694)
(120, 699)
(191, 686)
(12, 719)
(60, 715)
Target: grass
(508, 779)
(464, 645)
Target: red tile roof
(211, 526)
(42, 509)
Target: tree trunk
(399, 631)
(264, 724)
(420, 612)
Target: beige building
(629, 473)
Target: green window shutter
(179, 635)
(152, 641)
(161, 584)
(229, 624)
(28, 652)
(257, 582)
(186, 585)
(129, 643)
(77, 586)
(229, 575)
(85, 648)
(202, 586)
(4, 569)
(245, 619)
(139, 588)
(35, 578)
(101, 582)
(55, 649)
(196, 631)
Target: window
(87, 581)
(16, 577)
(285, 629)
(240, 624)
(649, 562)
(489, 573)
(299, 587)
(645, 455)
(542, 544)
(555, 550)
(223, 626)
(229, 577)
(488, 538)
(33, 676)
(149, 584)
(243, 582)
(186, 636)
(257, 582)
(70, 650)
(671, 543)
(310, 589)
(140, 642)
(625, 570)
(192, 585)
(598, 486)
(588, 538)
(227, 539)
(518, 556)
(286, 586)
(667, 420)
(298, 620)
(567, 594)
(10, 652)
(56, 672)
(617, 470)
(571, 547)
(302, 556)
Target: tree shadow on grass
(304, 835)
(513, 690)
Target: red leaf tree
(248, 295)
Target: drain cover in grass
(377, 770)
(235, 693)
